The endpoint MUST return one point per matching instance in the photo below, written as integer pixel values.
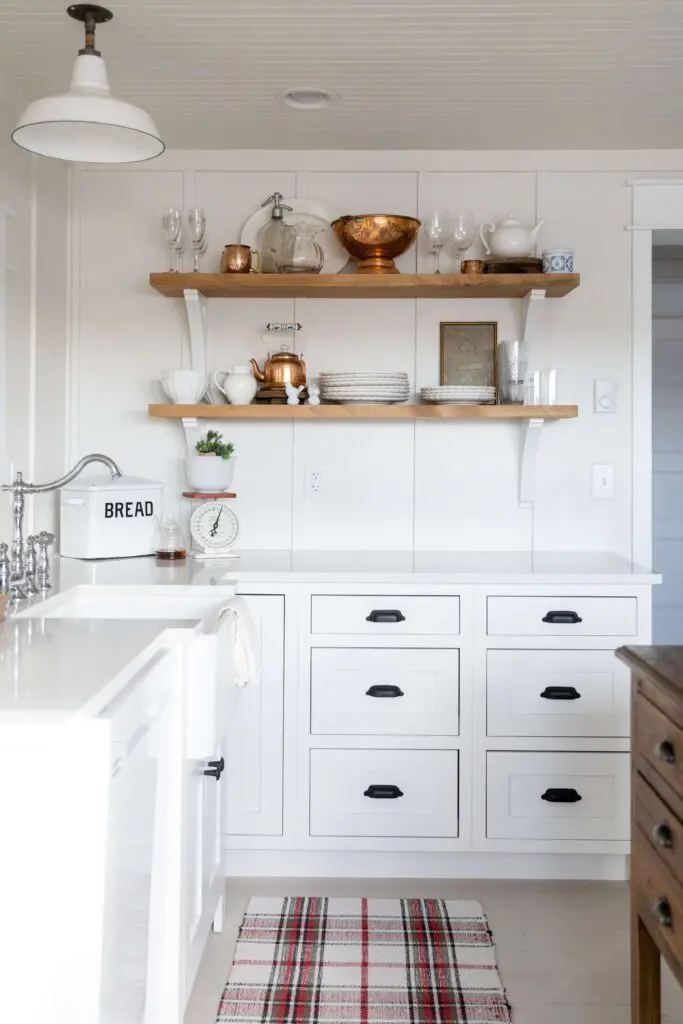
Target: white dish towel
(245, 640)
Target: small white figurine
(313, 394)
(293, 393)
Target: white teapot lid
(510, 221)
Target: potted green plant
(211, 466)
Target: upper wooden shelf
(365, 412)
(365, 286)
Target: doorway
(667, 435)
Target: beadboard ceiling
(411, 74)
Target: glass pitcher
(299, 252)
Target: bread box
(105, 518)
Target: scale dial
(214, 526)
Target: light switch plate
(604, 396)
(603, 482)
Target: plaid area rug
(301, 960)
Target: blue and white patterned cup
(558, 261)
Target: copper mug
(239, 259)
(472, 267)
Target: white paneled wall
(667, 443)
(34, 358)
(387, 486)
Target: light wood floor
(562, 946)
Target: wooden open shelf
(364, 412)
(365, 286)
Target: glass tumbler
(511, 372)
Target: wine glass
(437, 229)
(197, 223)
(179, 249)
(462, 235)
(171, 224)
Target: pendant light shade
(87, 124)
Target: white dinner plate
(365, 391)
(457, 394)
(459, 401)
(336, 256)
(349, 382)
(375, 375)
(368, 401)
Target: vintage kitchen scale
(214, 527)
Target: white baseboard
(333, 864)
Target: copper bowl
(376, 239)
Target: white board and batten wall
(386, 486)
(87, 337)
(667, 441)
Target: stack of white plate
(365, 388)
(455, 394)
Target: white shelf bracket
(195, 304)
(191, 428)
(527, 475)
(532, 306)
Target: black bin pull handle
(562, 618)
(560, 693)
(561, 796)
(383, 792)
(384, 690)
(666, 752)
(662, 912)
(662, 836)
(385, 615)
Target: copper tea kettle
(283, 367)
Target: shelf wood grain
(364, 412)
(365, 286)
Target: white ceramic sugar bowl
(558, 261)
(239, 385)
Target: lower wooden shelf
(364, 412)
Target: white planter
(209, 473)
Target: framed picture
(468, 353)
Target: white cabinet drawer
(536, 796)
(383, 692)
(385, 615)
(384, 793)
(562, 616)
(556, 693)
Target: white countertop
(55, 669)
(281, 567)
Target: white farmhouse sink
(131, 602)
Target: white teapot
(510, 237)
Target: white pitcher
(239, 386)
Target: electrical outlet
(314, 480)
(603, 482)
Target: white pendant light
(87, 124)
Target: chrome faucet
(17, 581)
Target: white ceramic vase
(209, 472)
(239, 385)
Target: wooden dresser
(657, 823)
